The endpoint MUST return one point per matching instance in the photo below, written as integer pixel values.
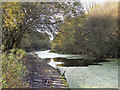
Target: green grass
(0, 71)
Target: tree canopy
(19, 17)
(95, 34)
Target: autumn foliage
(94, 33)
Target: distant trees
(97, 35)
(35, 40)
(21, 17)
(64, 42)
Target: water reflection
(67, 60)
(74, 62)
(53, 63)
(63, 62)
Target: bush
(13, 70)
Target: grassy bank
(0, 70)
(13, 70)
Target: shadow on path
(42, 75)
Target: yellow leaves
(22, 14)
(68, 23)
(79, 25)
(12, 15)
(10, 11)
(54, 45)
(86, 38)
(82, 34)
(15, 2)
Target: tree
(21, 17)
(12, 19)
(64, 42)
(100, 30)
(94, 34)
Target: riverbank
(42, 75)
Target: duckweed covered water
(82, 72)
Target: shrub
(13, 70)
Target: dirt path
(42, 75)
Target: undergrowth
(13, 70)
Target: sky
(86, 3)
(99, 1)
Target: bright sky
(93, 1)
(86, 3)
(99, 1)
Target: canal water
(82, 71)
